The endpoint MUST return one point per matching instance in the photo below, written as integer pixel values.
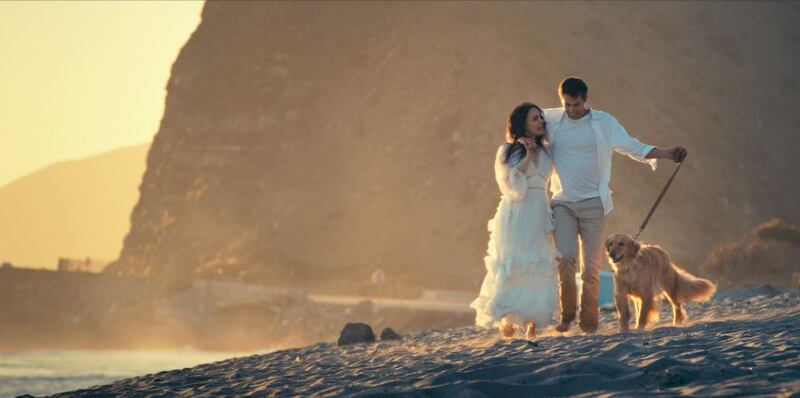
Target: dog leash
(661, 196)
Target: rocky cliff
(324, 140)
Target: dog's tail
(692, 288)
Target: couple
(533, 244)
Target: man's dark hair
(574, 87)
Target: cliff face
(324, 140)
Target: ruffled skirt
(521, 280)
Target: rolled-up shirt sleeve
(633, 148)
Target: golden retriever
(644, 272)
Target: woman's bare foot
(530, 330)
(506, 328)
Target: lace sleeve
(512, 182)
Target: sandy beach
(745, 342)
(206, 198)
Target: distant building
(81, 265)
(6, 265)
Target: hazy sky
(79, 78)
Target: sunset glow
(80, 78)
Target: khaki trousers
(585, 219)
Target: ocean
(49, 372)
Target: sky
(82, 78)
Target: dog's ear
(608, 242)
(636, 246)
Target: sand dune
(741, 343)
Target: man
(582, 142)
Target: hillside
(74, 208)
(325, 140)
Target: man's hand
(677, 153)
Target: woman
(519, 291)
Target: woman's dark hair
(516, 128)
(574, 87)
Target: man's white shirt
(576, 160)
(571, 147)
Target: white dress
(521, 281)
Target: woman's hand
(531, 153)
(530, 146)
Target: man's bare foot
(588, 329)
(562, 327)
(530, 333)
